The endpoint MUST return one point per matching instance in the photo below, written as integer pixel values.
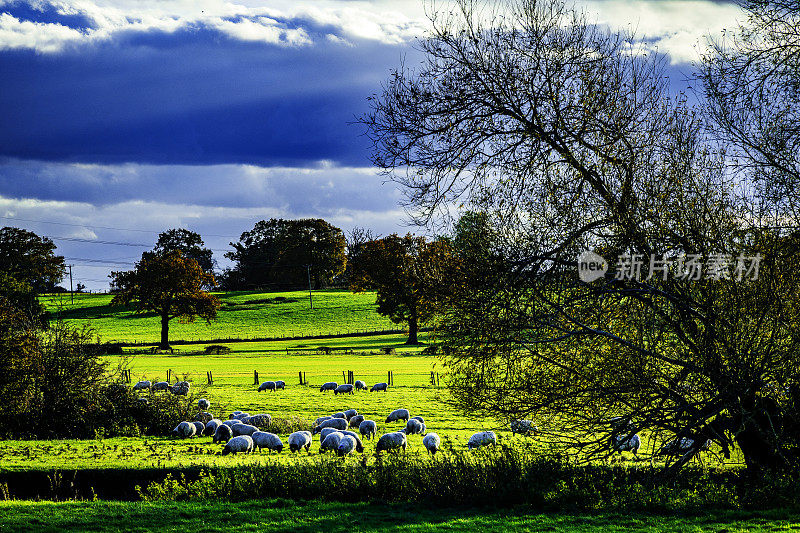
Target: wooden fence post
(255, 377)
(344, 378)
(437, 379)
(300, 377)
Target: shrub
(216, 349)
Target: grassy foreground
(316, 516)
(244, 315)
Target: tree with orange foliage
(169, 284)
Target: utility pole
(310, 299)
(71, 294)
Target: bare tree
(568, 139)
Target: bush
(216, 349)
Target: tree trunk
(164, 345)
(412, 330)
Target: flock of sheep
(242, 432)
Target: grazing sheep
(414, 427)
(418, 418)
(223, 433)
(380, 387)
(343, 389)
(240, 444)
(350, 413)
(679, 447)
(184, 430)
(181, 388)
(236, 413)
(262, 420)
(243, 429)
(270, 441)
(203, 416)
(360, 385)
(432, 443)
(338, 423)
(322, 419)
(359, 444)
(482, 438)
(142, 385)
(299, 440)
(160, 386)
(267, 385)
(331, 442)
(346, 446)
(368, 428)
(211, 426)
(331, 385)
(231, 423)
(340, 414)
(391, 441)
(325, 432)
(199, 428)
(203, 404)
(356, 421)
(398, 414)
(280, 385)
(523, 427)
(625, 443)
(242, 416)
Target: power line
(104, 261)
(97, 241)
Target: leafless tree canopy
(567, 138)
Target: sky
(120, 119)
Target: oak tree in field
(30, 259)
(170, 285)
(282, 253)
(405, 272)
(568, 139)
(188, 242)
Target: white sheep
(346, 446)
(391, 441)
(380, 387)
(482, 438)
(280, 385)
(160, 386)
(231, 423)
(243, 429)
(679, 447)
(299, 440)
(270, 441)
(360, 385)
(523, 427)
(242, 416)
(340, 414)
(343, 389)
(142, 385)
(181, 388)
(625, 443)
(398, 414)
(204, 416)
(223, 433)
(359, 444)
(414, 427)
(322, 419)
(324, 432)
(356, 421)
(203, 404)
(331, 442)
(240, 444)
(338, 423)
(331, 385)
(184, 430)
(211, 426)
(199, 428)
(368, 428)
(262, 420)
(350, 413)
(432, 443)
(422, 421)
(267, 385)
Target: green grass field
(316, 517)
(243, 315)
